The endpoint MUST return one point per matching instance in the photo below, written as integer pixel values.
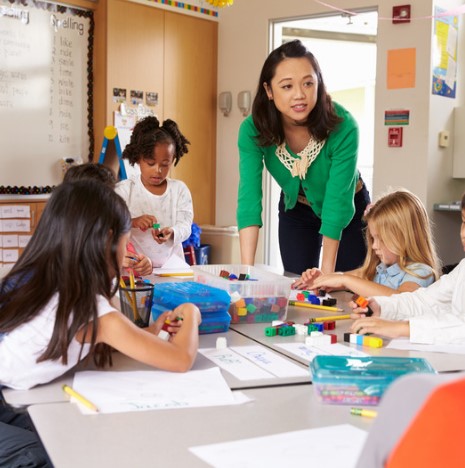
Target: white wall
(420, 165)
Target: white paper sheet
(404, 344)
(116, 392)
(270, 361)
(309, 352)
(325, 447)
(235, 364)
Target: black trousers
(300, 241)
(20, 445)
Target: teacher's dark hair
(73, 254)
(321, 121)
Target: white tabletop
(162, 438)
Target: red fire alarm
(395, 137)
(401, 14)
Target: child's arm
(378, 326)
(359, 285)
(177, 354)
(311, 278)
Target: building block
(331, 301)
(271, 331)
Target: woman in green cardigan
(309, 144)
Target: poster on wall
(445, 54)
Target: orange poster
(401, 65)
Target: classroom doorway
(345, 47)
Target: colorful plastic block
(329, 325)
(271, 331)
(331, 301)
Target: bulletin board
(45, 90)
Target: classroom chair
(435, 436)
(400, 407)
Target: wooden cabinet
(174, 55)
(19, 217)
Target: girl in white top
(161, 208)
(433, 315)
(55, 303)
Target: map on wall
(445, 54)
(45, 90)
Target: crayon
(67, 389)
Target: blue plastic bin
(212, 302)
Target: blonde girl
(401, 255)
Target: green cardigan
(329, 184)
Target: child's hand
(162, 235)
(143, 222)
(358, 312)
(330, 281)
(307, 279)
(143, 266)
(378, 326)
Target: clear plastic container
(263, 297)
(346, 380)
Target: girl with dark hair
(55, 307)
(161, 207)
(55, 302)
(309, 145)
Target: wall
(420, 165)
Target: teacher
(309, 144)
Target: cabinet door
(190, 75)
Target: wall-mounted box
(458, 142)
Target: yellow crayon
(314, 306)
(174, 274)
(67, 389)
(363, 412)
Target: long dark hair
(73, 253)
(147, 133)
(321, 121)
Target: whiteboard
(45, 90)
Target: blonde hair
(404, 228)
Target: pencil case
(212, 302)
(346, 380)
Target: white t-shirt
(436, 313)
(172, 209)
(20, 348)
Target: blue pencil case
(347, 380)
(212, 302)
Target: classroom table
(162, 437)
(53, 391)
(442, 362)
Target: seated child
(55, 307)
(161, 207)
(401, 254)
(432, 315)
(141, 264)
(55, 302)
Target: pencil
(314, 306)
(132, 283)
(363, 412)
(332, 317)
(175, 274)
(67, 389)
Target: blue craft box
(212, 302)
(349, 380)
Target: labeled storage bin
(212, 302)
(346, 380)
(262, 296)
